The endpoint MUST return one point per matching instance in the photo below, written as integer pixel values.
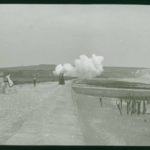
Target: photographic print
(74, 74)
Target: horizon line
(56, 65)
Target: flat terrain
(49, 115)
(44, 73)
(37, 116)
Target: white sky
(45, 34)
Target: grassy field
(44, 73)
(113, 83)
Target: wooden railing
(135, 98)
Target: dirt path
(47, 117)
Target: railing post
(139, 106)
(144, 107)
(127, 107)
(121, 103)
(118, 106)
(101, 101)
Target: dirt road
(44, 115)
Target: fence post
(101, 101)
(144, 107)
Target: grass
(25, 80)
(113, 83)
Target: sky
(53, 34)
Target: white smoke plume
(84, 67)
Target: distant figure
(9, 81)
(34, 81)
(3, 85)
(61, 79)
(6, 84)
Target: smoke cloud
(83, 67)
(144, 73)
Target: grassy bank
(113, 83)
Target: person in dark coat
(61, 79)
(34, 81)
